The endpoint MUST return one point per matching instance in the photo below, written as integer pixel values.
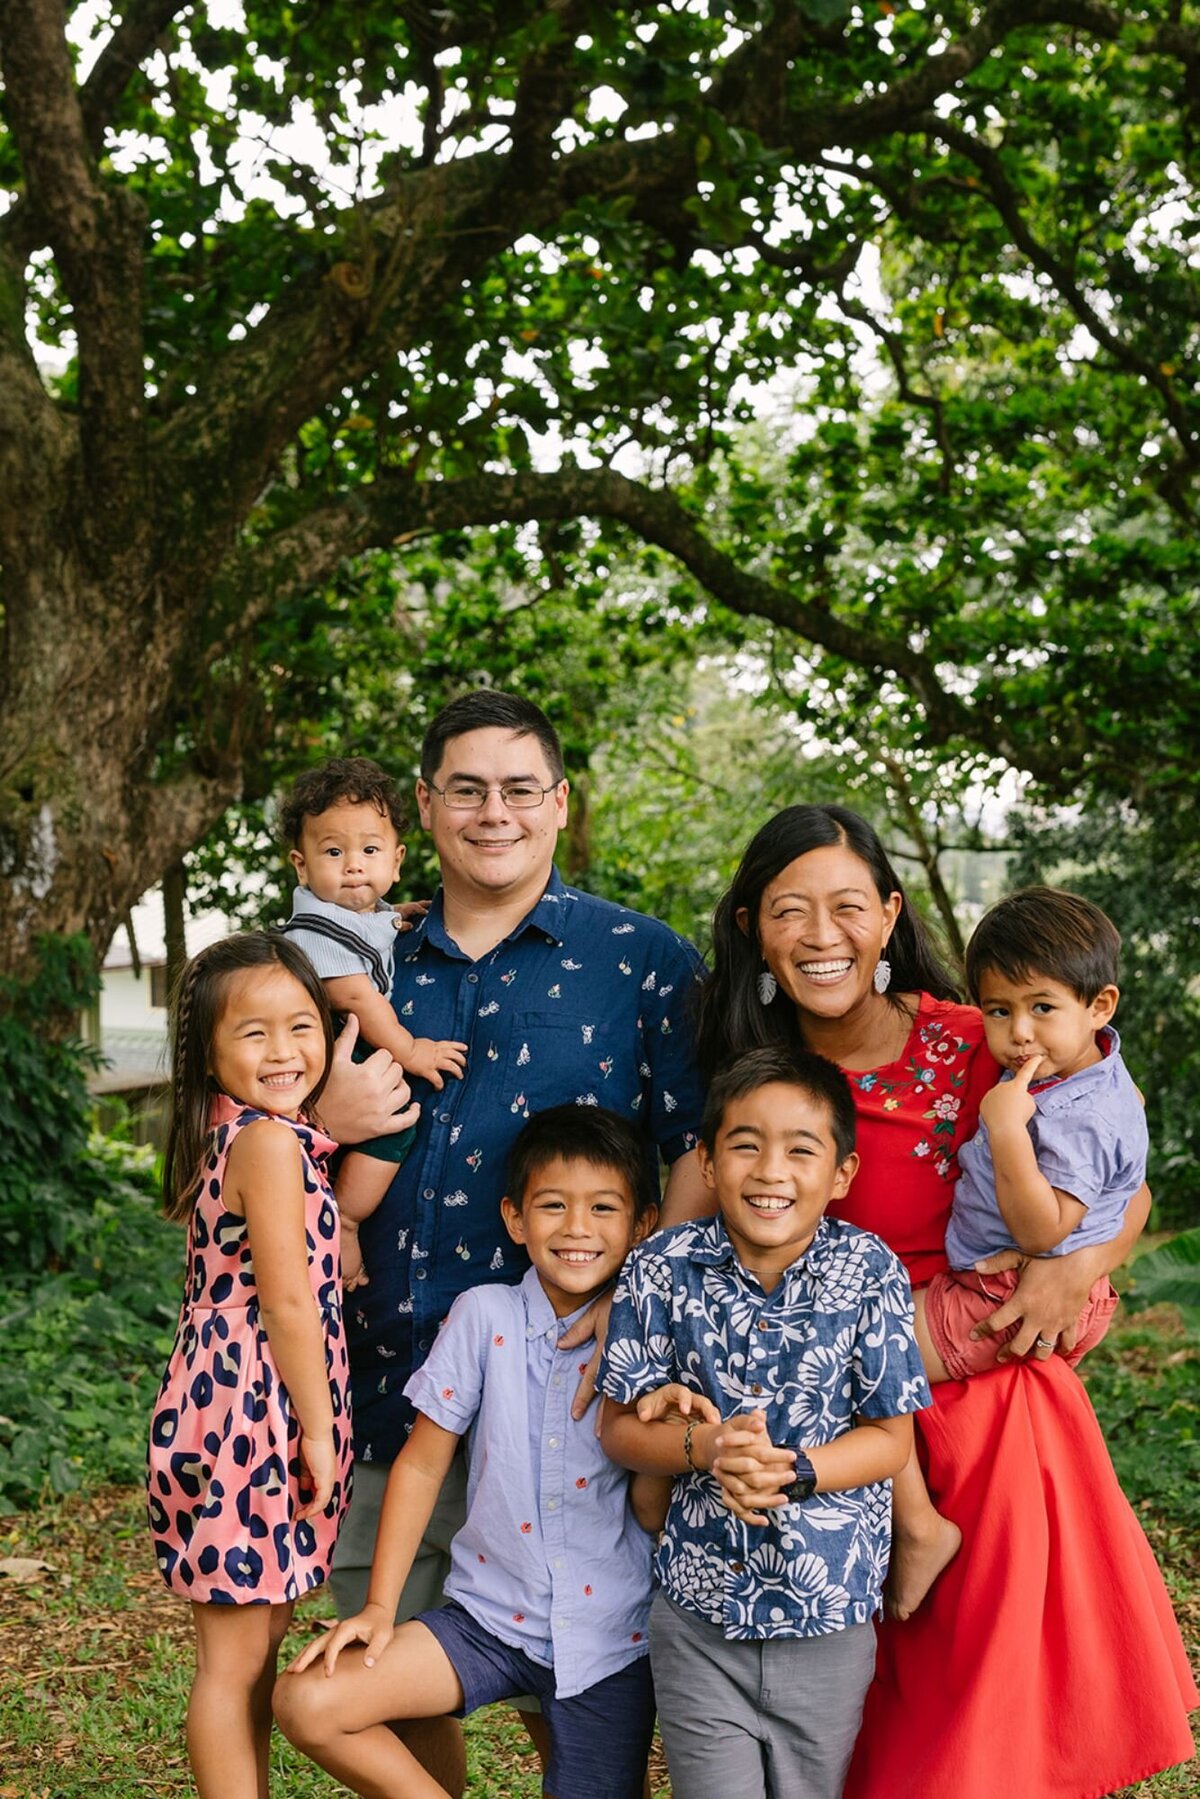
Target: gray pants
(355, 1550)
(757, 1720)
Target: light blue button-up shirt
(1090, 1139)
(551, 1559)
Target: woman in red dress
(1046, 1660)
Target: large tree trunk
(85, 825)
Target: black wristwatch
(805, 1483)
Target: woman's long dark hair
(731, 1019)
(196, 1011)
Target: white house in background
(128, 1023)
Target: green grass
(95, 1654)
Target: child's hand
(431, 1060)
(319, 1457)
(1009, 1105)
(675, 1402)
(371, 1626)
(752, 1471)
(354, 1275)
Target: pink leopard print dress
(224, 1481)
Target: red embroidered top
(913, 1115)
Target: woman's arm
(1052, 1291)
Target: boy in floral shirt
(549, 1590)
(797, 1330)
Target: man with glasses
(562, 998)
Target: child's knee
(303, 1709)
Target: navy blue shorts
(599, 1739)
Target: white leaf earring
(768, 987)
(882, 978)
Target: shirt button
(763, 1325)
(755, 1388)
(551, 1505)
(424, 1343)
(557, 1380)
(554, 1442)
(428, 1193)
(474, 979)
(443, 1117)
(423, 1274)
(735, 1567)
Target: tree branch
(395, 510)
(96, 235)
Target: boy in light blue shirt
(1060, 1152)
(549, 1590)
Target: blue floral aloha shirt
(584, 1002)
(833, 1341)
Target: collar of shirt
(543, 1320)
(549, 918)
(1095, 1075)
(711, 1248)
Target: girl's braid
(183, 1020)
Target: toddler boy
(798, 1328)
(549, 1589)
(1060, 1152)
(344, 822)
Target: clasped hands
(752, 1472)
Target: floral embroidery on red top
(935, 1071)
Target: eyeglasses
(468, 796)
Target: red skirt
(1046, 1662)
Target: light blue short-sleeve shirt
(551, 1559)
(1091, 1141)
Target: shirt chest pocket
(555, 1060)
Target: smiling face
(578, 1223)
(822, 928)
(1036, 1016)
(495, 851)
(774, 1168)
(348, 855)
(268, 1045)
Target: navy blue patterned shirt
(584, 1001)
(832, 1341)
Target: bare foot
(917, 1560)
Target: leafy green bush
(47, 1184)
(85, 1345)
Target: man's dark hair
(589, 1134)
(1043, 930)
(482, 710)
(822, 1080)
(355, 779)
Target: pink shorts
(956, 1301)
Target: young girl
(249, 1463)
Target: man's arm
(364, 1099)
(686, 1195)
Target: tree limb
(96, 235)
(396, 508)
